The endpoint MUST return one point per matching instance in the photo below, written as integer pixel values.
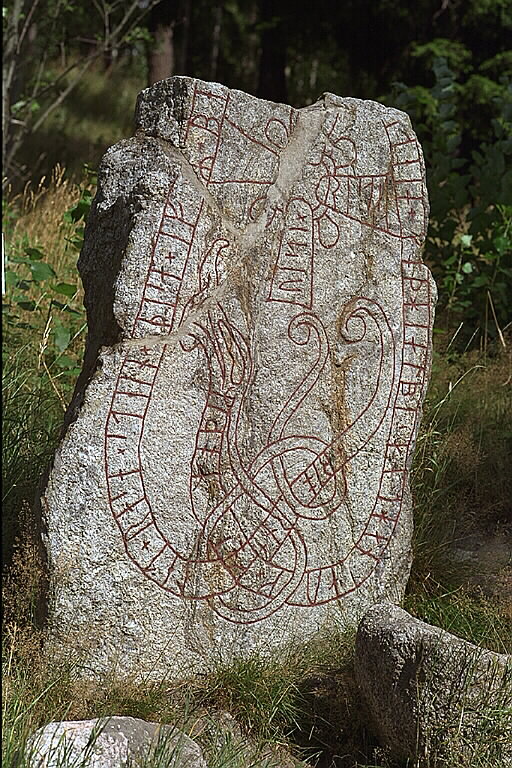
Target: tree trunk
(11, 38)
(217, 25)
(161, 50)
(182, 30)
(272, 80)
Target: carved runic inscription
(292, 279)
(282, 325)
(253, 529)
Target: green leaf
(62, 337)
(34, 254)
(76, 242)
(18, 260)
(64, 307)
(11, 278)
(467, 268)
(28, 306)
(66, 289)
(25, 326)
(18, 105)
(81, 209)
(502, 244)
(65, 361)
(41, 271)
(466, 240)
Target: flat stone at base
(430, 695)
(234, 475)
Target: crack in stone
(291, 164)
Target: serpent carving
(253, 516)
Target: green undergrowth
(44, 330)
(255, 706)
(462, 488)
(467, 614)
(304, 698)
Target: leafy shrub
(44, 330)
(469, 177)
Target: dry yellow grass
(39, 222)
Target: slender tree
(272, 78)
(161, 48)
(36, 34)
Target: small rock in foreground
(111, 743)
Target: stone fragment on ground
(115, 742)
(486, 560)
(430, 694)
(234, 475)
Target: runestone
(234, 471)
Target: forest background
(71, 73)
(72, 70)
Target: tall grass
(43, 335)
(462, 486)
